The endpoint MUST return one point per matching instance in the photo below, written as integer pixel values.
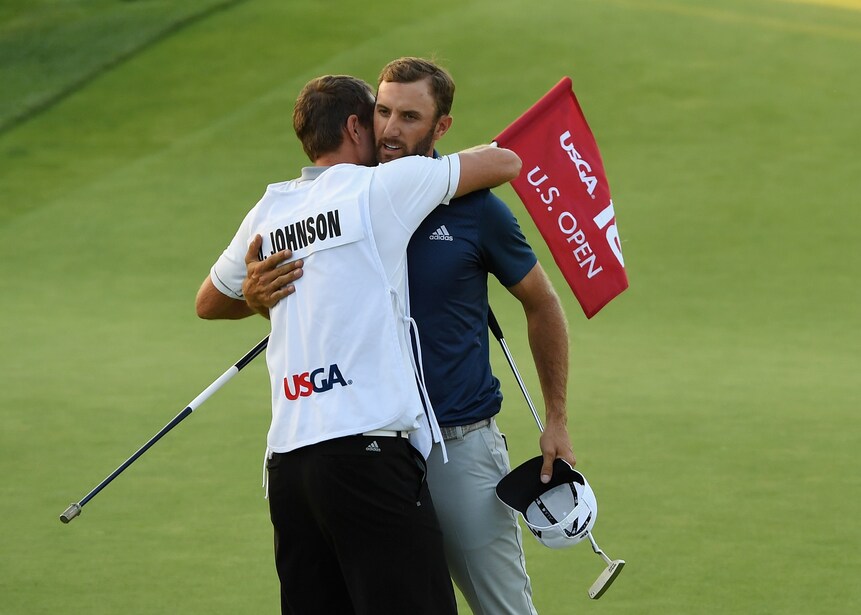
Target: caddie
(355, 528)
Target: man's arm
(265, 284)
(486, 166)
(548, 340)
(212, 304)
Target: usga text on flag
(567, 223)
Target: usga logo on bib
(308, 383)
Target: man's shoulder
(420, 180)
(343, 178)
(400, 165)
(280, 187)
(475, 198)
(484, 203)
(477, 209)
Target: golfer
(450, 258)
(355, 528)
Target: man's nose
(391, 128)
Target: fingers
(266, 284)
(547, 468)
(275, 285)
(289, 272)
(274, 263)
(284, 290)
(253, 254)
(550, 457)
(254, 263)
(555, 444)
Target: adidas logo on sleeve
(441, 234)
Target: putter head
(71, 512)
(606, 578)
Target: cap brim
(519, 488)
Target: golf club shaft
(493, 324)
(598, 550)
(614, 567)
(75, 508)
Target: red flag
(565, 190)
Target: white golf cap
(559, 513)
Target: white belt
(387, 433)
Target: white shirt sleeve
(228, 272)
(402, 194)
(415, 185)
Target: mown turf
(714, 405)
(50, 49)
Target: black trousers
(355, 530)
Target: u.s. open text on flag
(565, 190)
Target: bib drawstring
(418, 370)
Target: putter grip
(493, 324)
(70, 513)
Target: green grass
(51, 48)
(714, 405)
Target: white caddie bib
(334, 356)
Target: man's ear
(442, 126)
(352, 128)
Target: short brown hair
(410, 70)
(322, 109)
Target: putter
(74, 508)
(614, 567)
(606, 578)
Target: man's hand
(555, 443)
(548, 339)
(266, 283)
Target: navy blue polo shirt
(449, 258)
